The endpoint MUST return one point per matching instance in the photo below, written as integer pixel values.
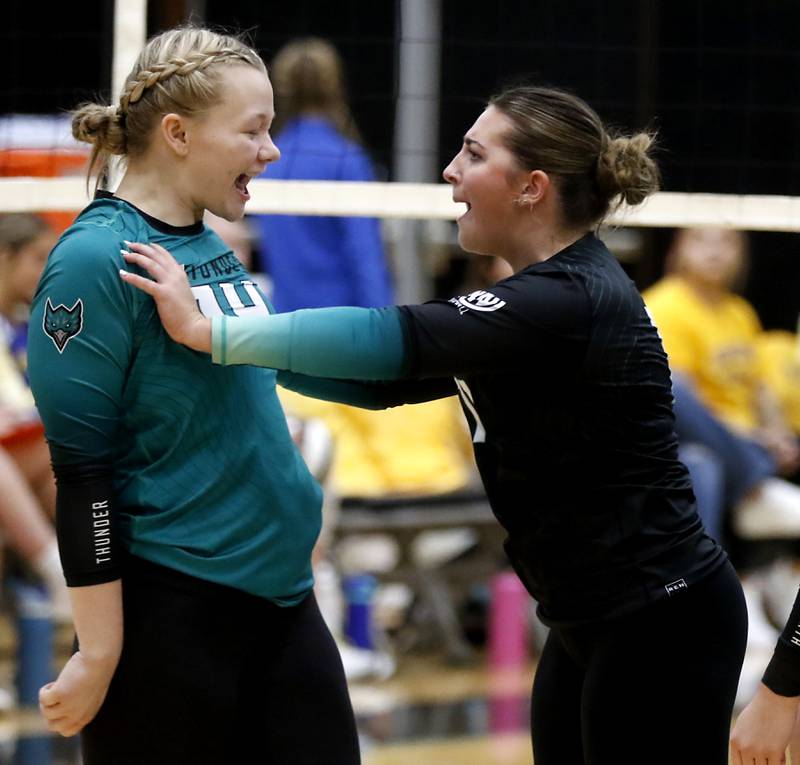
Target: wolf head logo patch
(61, 324)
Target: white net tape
(430, 201)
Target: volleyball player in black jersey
(567, 391)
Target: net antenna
(130, 36)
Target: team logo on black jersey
(61, 324)
(480, 300)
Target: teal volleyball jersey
(206, 477)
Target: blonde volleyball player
(186, 516)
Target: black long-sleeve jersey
(567, 390)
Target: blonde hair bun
(101, 126)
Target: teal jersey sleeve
(347, 343)
(80, 345)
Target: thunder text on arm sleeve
(80, 345)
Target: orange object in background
(45, 163)
(25, 432)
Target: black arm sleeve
(86, 525)
(369, 394)
(783, 671)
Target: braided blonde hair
(175, 72)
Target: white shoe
(433, 548)
(373, 553)
(391, 604)
(362, 664)
(770, 512)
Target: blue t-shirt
(316, 261)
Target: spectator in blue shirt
(316, 261)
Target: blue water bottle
(34, 641)
(359, 591)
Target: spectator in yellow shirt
(711, 335)
(779, 353)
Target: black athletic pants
(656, 686)
(210, 675)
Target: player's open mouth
(464, 215)
(241, 185)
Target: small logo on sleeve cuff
(61, 324)
(480, 300)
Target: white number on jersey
(465, 393)
(210, 302)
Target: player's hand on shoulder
(70, 702)
(169, 287)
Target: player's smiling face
(486, 176)
(230, 143)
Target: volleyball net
(42, 170)
(415, 201)
(48, 176)
(42, 167)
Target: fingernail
(125, 241)
(123, 273)
(125, 252)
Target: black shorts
(210, 674)
(656, 686)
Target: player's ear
(173, 130)
(537, 183)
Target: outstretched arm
(342, 343)
(543, 320)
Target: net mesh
(717, 82)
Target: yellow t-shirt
(779, 353)
(408, 450)
(715, 345)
